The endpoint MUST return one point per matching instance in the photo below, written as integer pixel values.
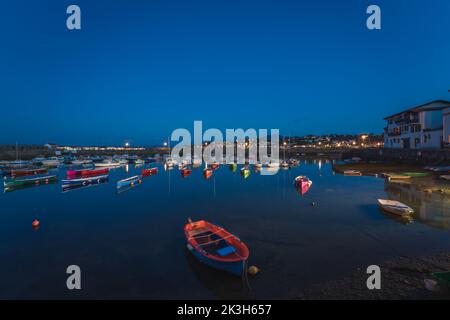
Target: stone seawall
(424, 157)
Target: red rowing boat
(27, 172)
(207, 172)
(149, 172)
(87, 172)
(216, 247)
(214, 165)
(185, 172)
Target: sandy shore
(402, 278)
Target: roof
(429, 106)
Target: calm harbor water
(131, 245)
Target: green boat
(245, 172)
(415, 174)
(233, 167)
(12, 184)
(442, 277)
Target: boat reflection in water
(429, 208)
(91, 183)
(219, 283)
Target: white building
(421, 127)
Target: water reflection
(430, 208)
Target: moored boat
(15, 183)
(87, 172)
(149, 172)
(302, 183)
(397, 176)
(214, 165)
(27, 172)
(51, 162)
(245, 172)
(352, 173)
(415, 174)
(185, 172)
(216, 247)
(131, 181)
(139, 161)
(446, 177)
(395, 207)
(233, 167)
(207, 173)
(108, 163)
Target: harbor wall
(423, 157)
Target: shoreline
(402, 278)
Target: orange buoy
(35, 223)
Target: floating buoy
(35, 223)
(253, 270)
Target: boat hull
(235, 268)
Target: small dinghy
(245, 172)
(185, 172)
(216, 247)
(233, 167)
(396, 176)
(352, 173)
(149, 172)
(128, 182)
(446, 177)
(302, 183)
(207, 173)
(214, 165)
(28, 172)
(395, 207)
(11, 184)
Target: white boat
(258, 165)
(139, 161)
(395, 207)
(446, 177)
(196, 162)
(108, 163)
(273, 164)
(81, 162)
(352, 173)
(50, 162)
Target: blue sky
(139, 69)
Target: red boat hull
(214, 166)
(207, 173)
(31, 172)
(86, 173)
(149, 172)
(185, 172)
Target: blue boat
(216, 247)
(131, 181)
(84, 181)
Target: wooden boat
(415, 174)
(185, 172)
(108, 163)
(233, 167)
(245, 172)
(273, 164)
(214, 165)
(27, 172)
(14, 183)
(86, 173)
(284, 164)
(396, 176)
(395, 207)
(207, 173)
(149, 172)
(302, 183)
(131, 181)
(352, 173)
(84, 181)
(216, 247)
(51, 162)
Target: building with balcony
(423, 127)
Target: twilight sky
(139, 69)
